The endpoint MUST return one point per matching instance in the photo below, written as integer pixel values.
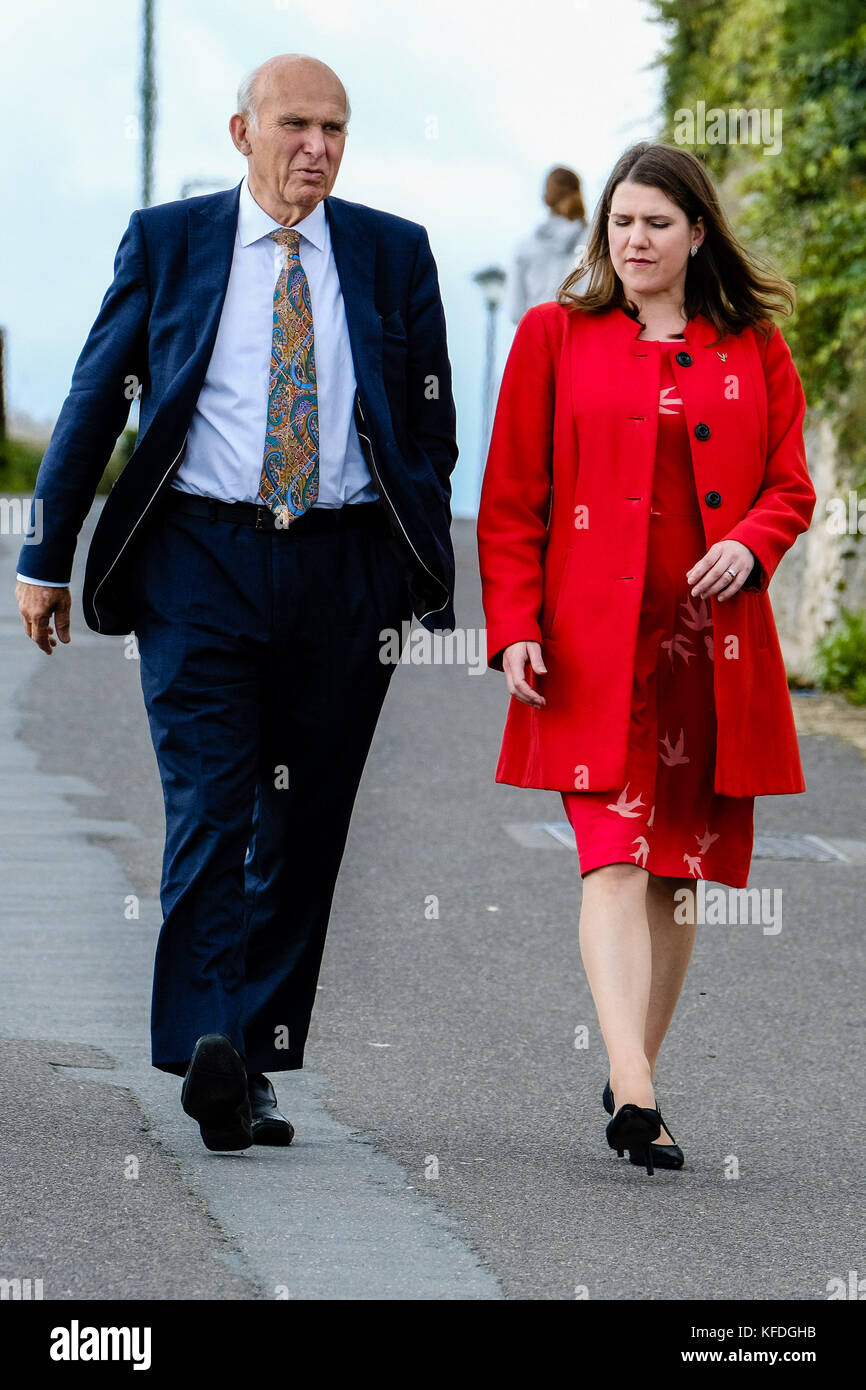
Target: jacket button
(713, 499)
(684, 359)
(702, 431)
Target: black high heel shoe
(664, 1155)
(634, 1127)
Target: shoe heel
(642, 1157)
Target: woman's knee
(616, 877)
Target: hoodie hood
(558, 234)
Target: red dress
(667, 818)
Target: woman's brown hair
(562, 194)
(724, 282)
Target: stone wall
(823, 571)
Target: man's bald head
(280, 69)
(291, 124)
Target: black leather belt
(316, 519)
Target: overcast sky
(508, 88)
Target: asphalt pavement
(450, 1135)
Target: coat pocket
(555, 606)
(759, 624)
(392, 326)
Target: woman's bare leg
(616, 949)
(672, 944)
(636, 957)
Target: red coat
(563, 529)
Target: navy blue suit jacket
(157, 326)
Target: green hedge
(841, 658)
(19, 463)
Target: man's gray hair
(247, 99)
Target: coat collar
(698, 332)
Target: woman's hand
(514, 660)
(710, 575)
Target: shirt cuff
(47, 583)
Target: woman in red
(646, 474)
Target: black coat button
(684, 359)
(713, 499)
(702, 431)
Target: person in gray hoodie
(543, 259)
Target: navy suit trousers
(261, 675)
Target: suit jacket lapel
(353, 241)
(211, 231)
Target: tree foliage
(804, 208)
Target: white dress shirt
(226, 437)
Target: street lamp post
(492, 284)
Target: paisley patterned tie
(290, 469)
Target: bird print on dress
(678, 646)
(694, 865)
(667, 402)
(623, 806)
(697, 618)
(705, 840)
(673, 756)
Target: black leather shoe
(664, 1155)
(269, 1126)
(634, 1127)
(215, 1093)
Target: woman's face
(650, 240)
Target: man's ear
(238, 132)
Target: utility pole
(147, 90)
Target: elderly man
(288, 499)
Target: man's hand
(514, 660)
(36, 604)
